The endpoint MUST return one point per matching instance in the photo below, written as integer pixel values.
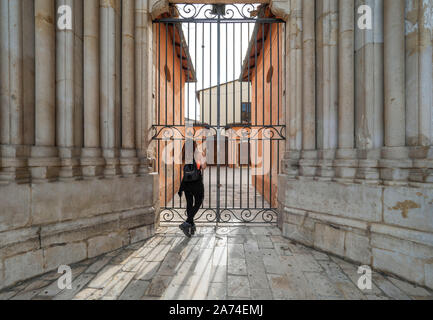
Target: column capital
(156, 7)
(281, 8)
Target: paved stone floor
(235, 262)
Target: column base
(421, 173)
(129, 162)
(70, 164)
(112, 163)
(44, 164)
(395, 166)
(308, 165)
(14, 161)
(325, 168)
(346, 165)
(144, 166)
(290, 164)
(92, 163)
(368, 167)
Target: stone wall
(357, 179)
(75, 119)
(389, 228)
(43, 226)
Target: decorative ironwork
(176, 215)
(209, 12)
(232, 133)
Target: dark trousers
(194, 193)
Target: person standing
(192, 184)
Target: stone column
(78, 17)
(369, 94)
(28, 12)
(65, 65)
(294, 88)
(108, 73)
(327, 86)
(13, 152)
(91, 161)
(128, 159)
(395, 155)
(44, 162)
(308, 162)
(143, 81)
(346, 163)
(419, 90)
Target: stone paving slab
(238, 262)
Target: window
(246, 112)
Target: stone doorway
(221, 66)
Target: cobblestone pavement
(236, 262)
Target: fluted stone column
(346, 163)
(65, 91)
(419, 90)
(13, 152)
(369, 94)
(28, 12)
(294, 88)
(327, 86)
(78, 18)
(91, 161)
(395, 163)
(44, 162)
(128, 161)
(109, 13)
(308, 162)
(143, 82)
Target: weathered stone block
(420, 237)
(61, 201)
(409, 207)
(18, 241)
(64, 255)
(351, 201)
(358, 248)
(141, 234)
(294, 217)
(298, 233)
(107, 243)
(15, 206)
(402, 246)
(400, 264)
(2, 274)
(155, 184)
(20, 247)
(22, 267)
(282, 180)
(137, 218)
(329, 239)
(429, 275)
(79, 230)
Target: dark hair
(187, 147)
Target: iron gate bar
(171, 131)
(219, 9)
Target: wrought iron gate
(219, 81)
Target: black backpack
(191, 173)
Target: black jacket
(190, 186)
